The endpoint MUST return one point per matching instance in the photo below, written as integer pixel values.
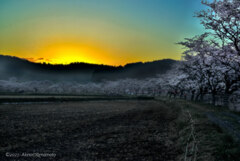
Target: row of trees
(211, 61)
(121, 87)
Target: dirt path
(225, 119)
(97, 130)
(228, 122)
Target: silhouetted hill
(84, 72)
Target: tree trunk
(225, 99)
(201, 94)
(213, 99)
(201, 97)
(181, 94)
(197, 96)
(192, 97)
(193, 94)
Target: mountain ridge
(23, 69)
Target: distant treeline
(25, 70)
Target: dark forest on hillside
(84, 72)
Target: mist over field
(24, 70)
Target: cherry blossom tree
(223, 20)
(213, 58)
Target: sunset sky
(113, 32)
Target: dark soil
(96, 130)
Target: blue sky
(112, 32)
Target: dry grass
(213, 143)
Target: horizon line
(78, 62)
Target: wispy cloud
(38, 60)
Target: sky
(112, 32)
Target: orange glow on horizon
(67, 53)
